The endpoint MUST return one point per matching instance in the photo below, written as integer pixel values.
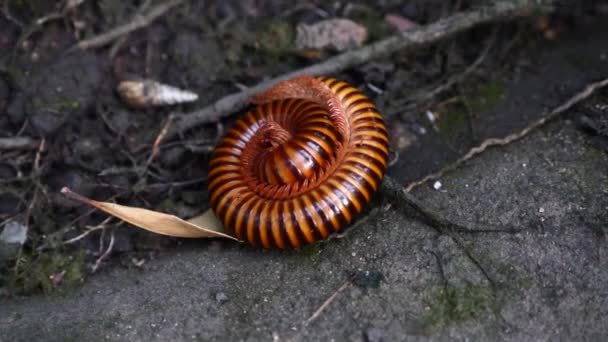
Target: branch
(405, 40)
(18, 143)
(138, 21)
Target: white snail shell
(148, 93)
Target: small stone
(172, 156)
(221, 297)
(541, 210)
(193, 197)
(367, 279)
(14, 232)
(374, 335)
(437, 185)
(47, 121)
(88, 146)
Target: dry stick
(405, 40)
(40, 22)
(106, 253)
(18, 143)
(159, 138)
(90, 229)
(67, 6)
(326, 303)
(578, 97)
(138, 21)
(6, 10)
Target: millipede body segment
(299, 166)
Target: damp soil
(86, 138)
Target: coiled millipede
(299, 166)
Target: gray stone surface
(548, 281)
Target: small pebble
(374, 335)
(221, 297)
(367, 279)
(437, 185)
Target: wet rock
(377, 73)
(186, 210)
(62, 176)
(47, 121)
(200, 58)
(88, 147)
(9, 204)
(7, 171)
(15, 110)
(173, 156)
(122, 240)
(193, 197)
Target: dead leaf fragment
(337, 34)
(205, 226)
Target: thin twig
(138, 21)
(578, 97)
(405, 40)
(105, 254)
(326, 303)
(18, 143)
(66, 7)
(159, 138)
(40, 22)
(41, 149)
(6, 10)
(90, 229)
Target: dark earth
(390, 276)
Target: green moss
(60, 104)
(452, 121)
(506, 277)
(372, 20)
(452, 305)
(484, 96)
(312, 251)
(112, 322)
(35, 273)
(277, 39)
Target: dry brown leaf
(203, 226)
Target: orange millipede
(299, 166)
